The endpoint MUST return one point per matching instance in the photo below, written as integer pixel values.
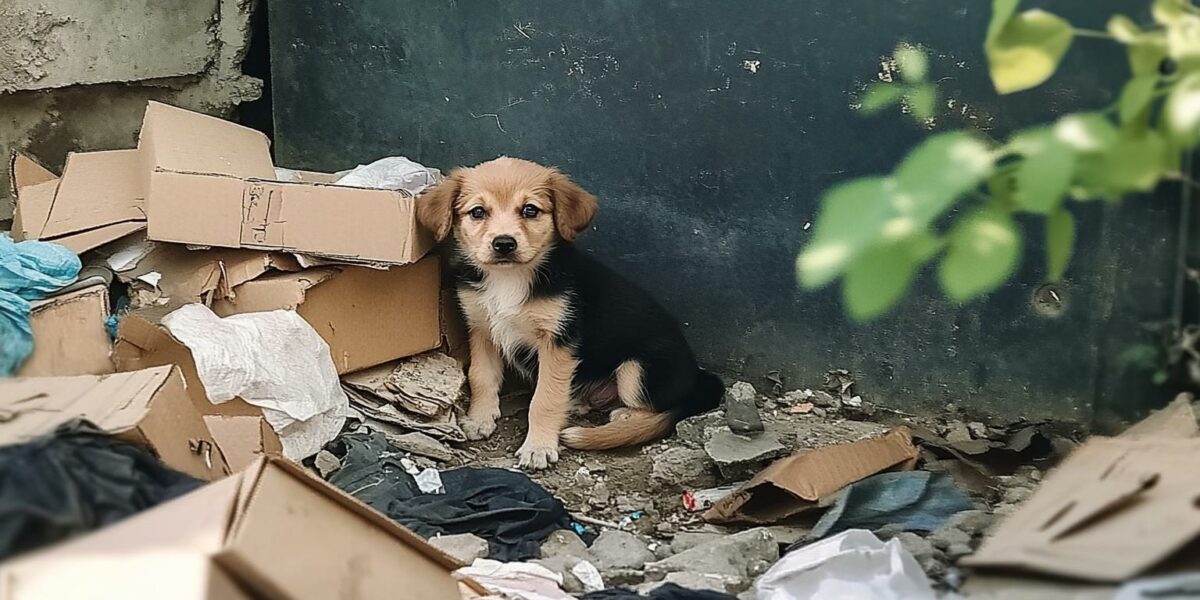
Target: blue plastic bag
(29, 270)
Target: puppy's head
(506, 211)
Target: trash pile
(236, 380)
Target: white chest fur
(500, 302)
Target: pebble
(619, 550)
(465, 547)
(978, 430)
(741, 409)
(686, 540)
(956, 431)
(326, 463)
(600, 495)
(564, 543)
(948, 536)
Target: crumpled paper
(516, 580)
(392, 173)
(273, 360)
(852, 564)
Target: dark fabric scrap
(666, 591)
(906, 501)
(508, 509)
(77, 480)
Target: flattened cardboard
(69, 335)
(211, 183)
(243, 440)
(1114, 509)
(274, 531)
(143, 343)
(367, 316)
(148, 408)
(203, 276)
(98, 199)
(798, 483)
(1176, 420)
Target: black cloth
(666, 591)
(506, 508)
(74, 481)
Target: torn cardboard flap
(97, 200)
(799, 482)
(148, 408)
(368, 317)
(243, 440)
(184, 276)
(273, 530)
(211, 182)
(70, 336)
(1176, 420)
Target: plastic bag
(392, 173)
(29, 270)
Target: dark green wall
(709, 129)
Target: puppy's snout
(504, 244)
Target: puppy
(585, 335)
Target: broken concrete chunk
(681, 467)
(464, 547)
(686, 540)
(972, 521)
(422, 445)
(948, 536)
(696, 430)
(564, 543)
(564, 565)
(620, 550)
(600, 495)
(956, 431)
(741, 409)
(739, 558)
(740, 457)
(693, 581)
(326, 463)
(978, 430)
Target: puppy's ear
(435, 206)
(574, 208)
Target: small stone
(422, 445)
(686, 540)
(692, 581)
(464, 547)
(853, 401)
(820, 412)
(948, 536)
(600, 495)
(801, 409)
(956, 431)
(1017, 495)
(583, 478)
(665, 528)
(563, 565)
(741, 409)
(695, 431)
(619, 550)
(625, 504)
(919, 547)
(739, 457)
(971, 521)
(681, 467)
(957, 551)
(738, 557)
(826, 400)
(661, 551)
(797, 396)
(564, 543)
(326, 463)
(978, 430)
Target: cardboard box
(243, 440)
(1115, 509)
(97, 200)
(272, 531)
(147, 408)
(367, 316)
(799, 482)
(210, 182)
(70, 336)
(180, 276)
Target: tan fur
(549, 407)
(629, 385)
(485, 375)
(631, 427)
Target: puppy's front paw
(479, 427)
(536, 457)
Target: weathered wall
(77, 75)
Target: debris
(948, 536)
(422, 445)
(801, 409)
(588, 575)
(565, 543)
(620, 550)
(686, 540)
(698, 500)
(429, 481)
(978, 430)
(444, 426)
(70, 331)
(689, 581)
(598, 522)
(920, 548)
(797, 483)
(427, 385)
(741, 409)
(824, 399)
(956, 432)
(273, 360)
(852, 564)
(392, 173)
(736, 558)
(326, 463)
(906, 500)
(695, 431)
(738, 457)
(517, 581)
(600, 495)
(665, 590)
(148, 408)
(506, 508)
(29, 270)
(463, 547)
(683, 467)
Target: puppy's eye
(530, 211)
(477, 213)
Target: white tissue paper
(392, 173)
(273, 360)
(851, 564)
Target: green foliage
(954, 199)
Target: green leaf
(938, 171)
(1168, 12)
(1044, 174)
(1134, 163)
(852, 214)
(1060, 240)
(1002, 11)
(913, 63)
(1123, 29)
(878, 278)
(1135, 97)
(1183, 41)
(984, 249)
(1086, 132)
(880, 96)
(1147, 53)
(1026, 50)
(1181, 114)
(922, 99)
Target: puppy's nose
(504, 244)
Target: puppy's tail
(639, 426)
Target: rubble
(741, 409)
(422, 445)
(738, 456)
(620, 550)
(737, 559)
(464, 547)
(683, 467)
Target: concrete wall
(76, 75)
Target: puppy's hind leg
(485, 376)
